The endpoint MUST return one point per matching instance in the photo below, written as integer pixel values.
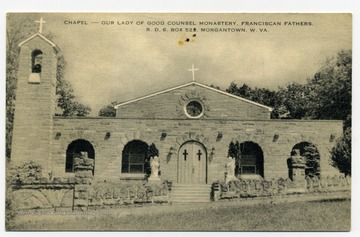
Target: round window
(194, 109)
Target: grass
(330, 215)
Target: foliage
(215, 86)
(66, 98)
(294, 101)
(259, 95)
(341, 153)
(312, 156)
(30, 170)
(330, 88)
(152, 151)
(107, 111)
(234, 149)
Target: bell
(34, 78)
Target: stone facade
(169, 104)
(161, 118)
(108, 155)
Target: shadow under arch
(74, 150)
(250, 160)
(134, 158)
(312, 157)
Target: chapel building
(191, 125)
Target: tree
(293, 101)
(260, 95)
(19, 28)
(341, 153)
(66, 98)
(330, 88)
(108, 111)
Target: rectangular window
(134, 163)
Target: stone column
(296, 165)
(83, 168)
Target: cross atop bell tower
(41, 22)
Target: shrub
(29, 171)
(341, 153)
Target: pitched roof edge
(41, 36)
(235, 96)
(151, 95)
(193, 83)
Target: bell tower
(35, 101)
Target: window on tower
(36, 59)
(36, 66)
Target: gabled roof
(42, 37)
(188, 84)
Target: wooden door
(192, 165)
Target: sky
(111, 59)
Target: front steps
(190, 193)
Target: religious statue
(296, 165)
(296, 158)
(154, 164)
(230, 169)
(84, 155)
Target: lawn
(330, 215)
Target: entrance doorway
(192, 163)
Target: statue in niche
(84, 154)
(296, 158)
(230, 169)
(154, 164)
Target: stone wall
(169, 135)
(83, 191)
(277, 187)
(49, 195)
(65, 193)
(76, 196)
